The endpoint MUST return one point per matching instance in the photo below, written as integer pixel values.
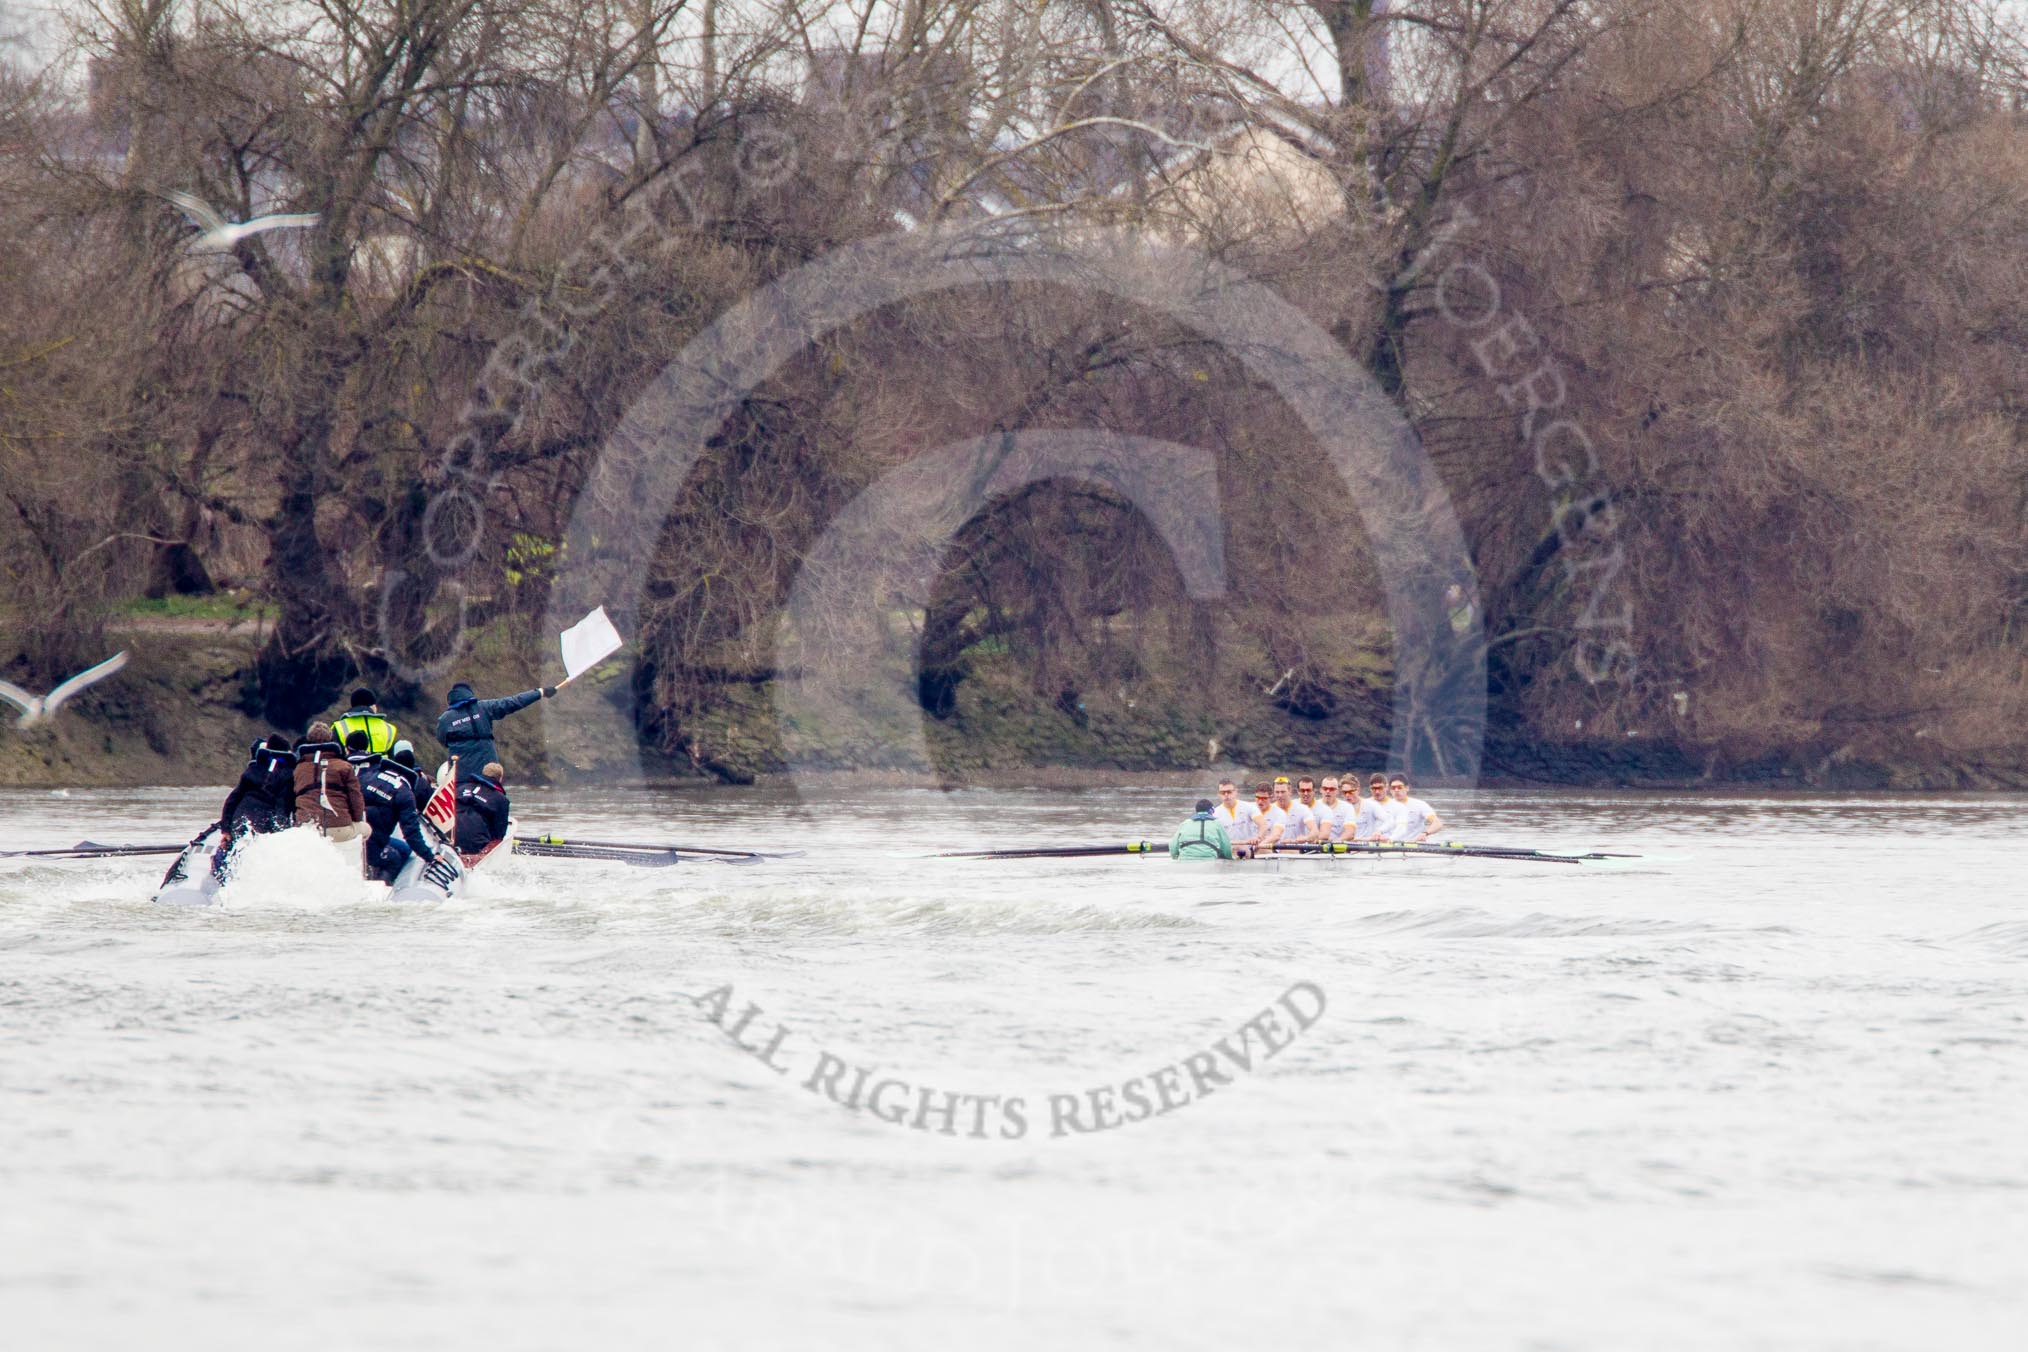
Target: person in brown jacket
(327, 787)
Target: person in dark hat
(466, 728)
(1202, 836)
(365, 716)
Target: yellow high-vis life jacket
(380, 734)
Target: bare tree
(1761, 256)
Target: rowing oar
(1513, 849)
(1442, 851)
(90, 849)
(1059, 852)
(1445, 851)
(668, 849)
(542, 849)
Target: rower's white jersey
(1297, 821)
(1241, 823)
(1272, 816)
(1411, 818)
(1376, 820)
(1335, 817)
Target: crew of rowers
(356, 777)
(1316, 812)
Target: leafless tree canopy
(1707, 315)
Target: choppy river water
(1769, 1093)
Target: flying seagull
(219, 233)
(35, 708)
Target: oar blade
(546, 849)
(1631, 862)
(666, 848)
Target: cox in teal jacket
(1202, 837)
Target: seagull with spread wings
(217, 233)
(36, 708)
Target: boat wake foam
(298, 869)
(832, 913)
(1467, 922)
(2009, 937)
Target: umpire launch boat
(194, 881)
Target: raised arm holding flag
(466, 727)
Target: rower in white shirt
(1334, 814)
(1263, 805)
(1290, 823)
(1414, 820)
(1376, 815)
(1274, 823)
(1240, 818)
(1306, 797)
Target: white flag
(589, 642)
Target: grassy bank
(1000, 726)
(176, 715)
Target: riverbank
(171, 717)
(177, 716)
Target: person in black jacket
(264, 800)
(390, 803)
(466, 728)
(482, 811)
(403, 759)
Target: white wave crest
(298, 869)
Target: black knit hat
(1204, 805)
(363, 698)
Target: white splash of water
(299, 869)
